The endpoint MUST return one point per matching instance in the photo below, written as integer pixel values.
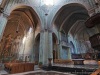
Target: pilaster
(45, 50)
(3, 22)
(50, 46)
(60, 47)
(42, 48)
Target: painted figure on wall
(10, 46)
(16, 44)
(7, 45)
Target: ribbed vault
(68, 15)
(21, 20)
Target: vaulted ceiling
(19, 22)
(68, 15)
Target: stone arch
(31, 9)
(23, 22)
(81, 34)
(66, 17)
(66, 10)
(19, 7)
(35, 11)
(59, 8)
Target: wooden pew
(19, 67)
(28, 67)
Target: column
(46, 50)
(32, 50)
(3, 22)
(50, 46)
(43, 49)
(60, 47)
(69, 53)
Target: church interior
(50, 37)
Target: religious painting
(9, 46)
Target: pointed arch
(68, 14)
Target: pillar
(3, 22)
(43, 49)
(31, 54)
(50, 46)
(46, 48)
(69, 53)
(60, 47)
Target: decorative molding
(3, 12)
(5, 15)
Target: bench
(18, 67)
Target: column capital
(5, 15)
(42, 30)
(45, 30)
(50, 31)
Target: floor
(38, 71)
(79, 66)
(2, 72)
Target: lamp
(2, 11)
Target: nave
(50, 37)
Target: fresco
(9, 46)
